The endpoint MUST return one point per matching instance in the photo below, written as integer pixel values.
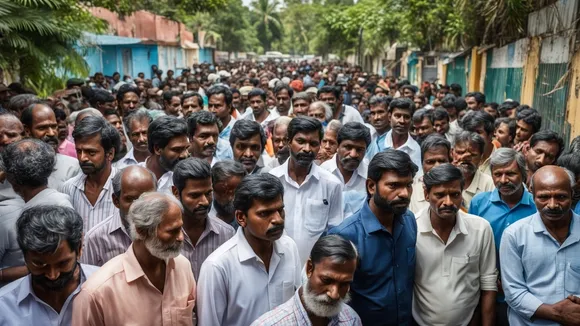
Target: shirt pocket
(316, 215)
(184, 316)
(572, 281)
(461, 265)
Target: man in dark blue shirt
(384, 232)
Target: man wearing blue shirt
(505, 205)
(384, 232)
(540, 255)
(571, 162)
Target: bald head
(128, 185)
(11, 129)
(552, 188)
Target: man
(332, 96)
(329, 141)
(102, 100)
(408, 91)
(300, 103)
(449, 103)
(27, 165)
(509, 202)
(571, 161)
(321, 300)
(400, 113)
(39, 122)
(260, 113)
(508, 109)
(112, 237)
(220, 104)
(283, 94)
(349, 164)
(459, 247)
(466, 154)
(312, 195)
(481, 123)
(191, 103)
(505, 131)
(247, 140)
(150, 274)
(435, 150)
(528, 122)
(96, 142)
(456, 89)
(280, 142)
(50, 237)
(168, 144)
(423, 124)
(11, 129)
(441, 124)
(203, 133)
(225, 177)
(539, 255)
(113, 117)
(256, 270)
(379, 119)
(65, 146)
(236, 99)
(203, 234)
(128, 99)
(545, 148)
(172, 104)
(491, 109)
(475, 101)
(136, 125)
(384, 232)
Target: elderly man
(256, 270)
(225, 178)
(300, 104)
(136, 125)
(280, 142)
(323, 297)
(150, 274)
(329, 144)
(111, 237)
(540, 255)
(481, 123)
(51, 239)
(459, 247)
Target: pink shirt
(120, 293)
(67, 148)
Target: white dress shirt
(357, 181)
(273, 115)
(449, 277)
(410, 147)
(65, 168)
(234, 287)
(165, 182)
(350, 114)
(127, 160)
(312, 207)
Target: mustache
(87, 165)
(400, 202)
(306, 156)
(201, 209)
(275, 229)
(50, 139)
(350, 160)
(553, 211)
(450, 209)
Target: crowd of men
(283, 194)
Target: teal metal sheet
(456, 73)
(502, 83)
(550, 100)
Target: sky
(247, 2)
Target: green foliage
(167, 8)
(266, 20)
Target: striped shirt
(215, 234)
(165, 182)
(103, 208)
(127, 160)
(105, 241)
(292, 313)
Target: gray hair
(282, 121)
(471, 138)
(29, 162)
(334, 125)
(327, 109)
(335, 247)
(227, 169)
(505, 156)
(117, 188)
(42, 228)
(571, 177)
(302, 96)
(146, 213)
(90, 112)
(139, 115)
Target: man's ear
(240, 218)
(115, 200)
(309, 268)
(175, 192)
(371, 187)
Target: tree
(267, 22)
(167, 8)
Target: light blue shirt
(20, 306)
(577, 208)
(223, 150)
(536, 269)
(377, 145)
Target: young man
(312, 195)
(203, 133)
(128, 99)
(545, 148)
(220, 104)
(504, 132)
(248, 139)
(423, 123)
(256, 270)
(191, 103)
(528, 122)
(441, 124)
(260, 112)
(332, 96)
(475, 101)
(379, 120)
(172, 104)
(399, 138)
(461, 249)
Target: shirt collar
(245, 251)
(130, 156)
(283, 171)
(116, 223)
(80, 182)
(210, 226)
(527, 198)
(370, 222)
(424, 222)
(410, 143)
(472, 189)
(132, 267)
(26, 287)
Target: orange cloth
(496, 143)
(269, 147)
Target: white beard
(321, 305)
(159, 250)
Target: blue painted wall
(109, 59)
(206, 55)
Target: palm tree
(267, 22)
(204, 25)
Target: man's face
(392, 193)
(258, 105)
(247, 82)
(379, 118)
(329, 145)
(131, 188)
(472, 104)
(507, 179)
(264, 220)
(328, 285)
(280, 142)
(141, 75)
(350, 153)
(423, 129)
(491, 111)
(553, 197)
(511, 113)
(418, 102)
(173, 107)
(441, 94)
(379, 92)
(196, 197)
(524, 131)
(264, 83)
(304, 147)
(236, 100)
(223, 196)
(130, 103)
(167, 241)
(92, 156)
(283, 102)
(300, 107)
(317, 113)
(408, 93)
(52, 272)
(99, 79)
(44, 126)
(502, 135)
(138, 135)
(190, 105)
(400, 121)
(193, 86)
(433, 157)
(441, 126)
(203, 142)
(480, 130)
(217, 105)
(176, 150)
(11, 130)
(115, 121)
(248, 151)
(466, 157)
(329, 99)
(544, 153)
(445, 199)
(105, 106)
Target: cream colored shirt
(485, 166)
(481, 183)
(449, 277)
(120, 293)
(418, 201)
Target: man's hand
(568, 311)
